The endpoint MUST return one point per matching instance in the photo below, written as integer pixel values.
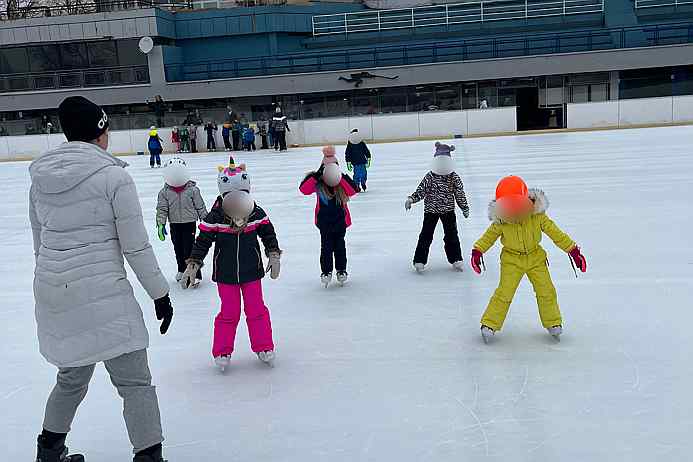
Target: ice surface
(392, 366)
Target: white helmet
(332, 175)
(355, 137)
(176, 172)
(238, 205)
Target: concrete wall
(118, 25)
(631, 112)
(304, 132)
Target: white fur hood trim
(541, 205)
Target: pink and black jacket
(237, 258)
(329, 214)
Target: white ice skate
(325, 279)
(222, 362)
(266, 357)
(197, 283)
(458, 266)
(556, 332)
(179, 276)
(487, 333)
(342, 277)
(419, 267)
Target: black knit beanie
(81, 119)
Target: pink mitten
(578, 258)
(477, 261)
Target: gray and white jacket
(440, 192)
(184, 207)
(86, 219)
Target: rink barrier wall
(377, 128)
(626, 113)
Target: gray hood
(68, 165)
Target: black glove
(319, 172)
(164, 311)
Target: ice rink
(391, 368)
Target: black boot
(48, 451)
(152, 454)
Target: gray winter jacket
(184, 207)
(85, 216)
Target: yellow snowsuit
(522, 254)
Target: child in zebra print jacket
(440, 189)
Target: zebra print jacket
(440, 192)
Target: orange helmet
(512, 195)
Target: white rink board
(593, 115)
(392, 367)
(645, 111)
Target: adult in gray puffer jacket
(86, 218)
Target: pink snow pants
(256, 313)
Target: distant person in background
(281, 126)
(249, 138)
(211, 129)
(175, 138)
(155, 146)
(192, 130)
(262, 131)
(237, 134)
(483, 104)
(86, 219)
(184, 139)
(226, 135)
(159, 108)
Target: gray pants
(131, 377)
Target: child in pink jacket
(332, 189)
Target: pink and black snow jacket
(237, 258)
(329, 214)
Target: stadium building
(528, 64)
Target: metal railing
(205, 4)
(478, 11)
(440, 52)
(130, 75)
(661, 3)
(90, 7)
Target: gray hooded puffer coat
(184, 207)
(85, 215)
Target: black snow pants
(451, 238)
(333, 249)
(183, 238)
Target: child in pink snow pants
(234, 226)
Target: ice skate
(59, 454)
(179, 276)
(222, 362)
(153, 457)
(197, 283)
(266, 357)
(458, 266)
(487, 333)
(556, 332)
(342, 277)
(325, 279)
(419, 267)
(364, 187)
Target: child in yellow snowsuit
(519, 218)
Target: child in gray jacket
(181, 204)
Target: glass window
(312, 106)
(488, 91)
(448, 97)
(393, 100)
(337, 105)
(44, 58)
(506, 97)
(13, 61)
(579, 93)
(74, 56)
(469, 99)
(129, 54)
(422, 98)
(599, 92)
(365, 102)
(102, 54)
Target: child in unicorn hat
(234, 226)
